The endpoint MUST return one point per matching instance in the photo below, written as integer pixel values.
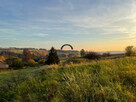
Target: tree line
(27, 58)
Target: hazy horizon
(66, 48)
(93, 25)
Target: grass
(24, 72)
(102, 81)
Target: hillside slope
(110, 81)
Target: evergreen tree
(52, 57)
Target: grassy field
(101, 81)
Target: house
(3, 65)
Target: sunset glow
(99, 25)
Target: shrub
(92, 56)
(17, 63)
(14, 62)
(9, 61)
(31, 63)
(41, 61)
(52, 57)
(106, 54)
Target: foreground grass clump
(110, 81)
(75, 61)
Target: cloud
(75, 19)
(41, 34)
(111, 20)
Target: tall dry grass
(102, 81)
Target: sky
(94, 25)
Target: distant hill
(113, 52)
(43, 52)
(67, 51)
(36, 53)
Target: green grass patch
(102, 81)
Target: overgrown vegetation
(107, 54)
(15, 63)
(92, 56)
(42, 61)
(101, 81)
(31, 63)
(75, 61)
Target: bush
(31, 63)
(41, 61)
(106, 54)
(17, 64)
(92, 56)
(14, 62)
(9, 61)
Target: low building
(3, 65)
